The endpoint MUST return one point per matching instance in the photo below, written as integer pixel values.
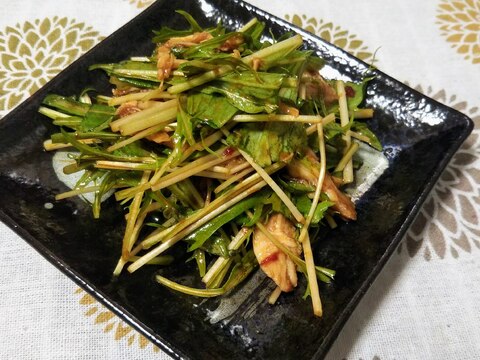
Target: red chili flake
(349, 91)
(270, 258)
(228, 151)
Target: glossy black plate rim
(169, 348)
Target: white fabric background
(416, 309)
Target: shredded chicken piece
(233, 163)
(256, 63)
(125, 90)
(146, 104)
(128, 108)
(161, 137)
(232, 43)
(189, 40)
(275, 263)
(288, 110)
(317, 87)
(166, 61)
(310, 172)
(343, 204)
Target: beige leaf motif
(110, 322)
(104, 317)
(333, 34)
(141, 3)
(459, 23)
(33, 52)
(448, 223)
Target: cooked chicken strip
(316, 87)
(308, 170)
(166, 61)
(128, 108)
(276, 264)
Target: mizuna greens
(223, 143)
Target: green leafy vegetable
(205, 141)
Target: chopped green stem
(76, 192)
(141, 96)
(344, 121)
(363, 114)
(183, 173)
(309, 119)
(347, 157)
(72, 121)
(144, 114)
(231, 179)
(160, 118)
(121, 165)
(274, 186)
(358, 136)
(276, 51)
(52, 114)
(140, 135)
(189, 290)
(269, 54)
(187, 226)
(248, 25)
(159, 260)
(235, 244)
(198, 80)
(128, 239)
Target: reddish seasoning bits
(228, 151)
(349, 92)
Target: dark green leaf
(130, 69)
(362, 129)
(241, 270)
(166, 33)
(296, 186)
(209, 47)
(206, 231)
(97, 118)
(194, 27)
(210, 109)
(67, 105)
(185, 121)
(217, 245)
(304, 204)
(269, 142)
(237, 99)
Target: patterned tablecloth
(425, 304)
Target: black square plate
(419, 137)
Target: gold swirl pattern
(448, 223)
(141, 4)
(459, 22)
(33, 52)
(111, 323)
(333, 34)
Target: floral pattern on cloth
(35, 51)
(448, 223)
(112, 324)
(141, 4)
(459, 22)
(333, 34)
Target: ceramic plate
(419, 137)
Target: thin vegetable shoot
(227, 153)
